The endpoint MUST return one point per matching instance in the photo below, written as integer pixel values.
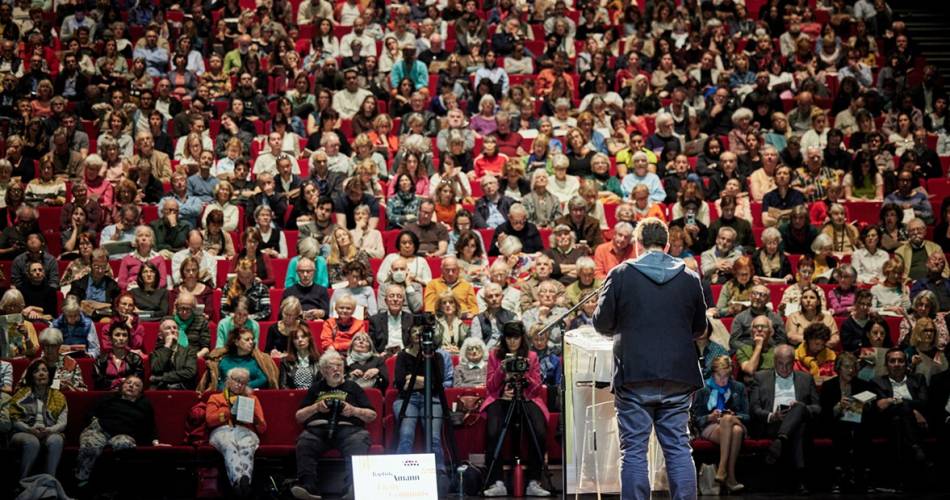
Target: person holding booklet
(843, 401)
(236, 420)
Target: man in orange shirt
(615, 251)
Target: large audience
(243, 195)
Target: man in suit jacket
(654, 308)
(388, 328)
(901, 404)
(939, 401)
(783, 402)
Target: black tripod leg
(501, 442)
(534, 441)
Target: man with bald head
(191, 322)
(174, 366)
(451, 281)
(742, 332)
(782, 403)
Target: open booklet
(855, 411)
(245, 410)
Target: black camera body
(334, 405)
(424, 323)
(515, 364)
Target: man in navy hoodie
(653, 306)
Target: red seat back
(171, 411)
(280, 408)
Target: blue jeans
(665, 406)
(407, 427)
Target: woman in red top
(491, 161)
(338, 332)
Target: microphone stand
(561, 387)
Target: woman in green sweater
(240, 351)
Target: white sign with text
(394, 476)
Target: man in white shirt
(901, 403)
(347, 101)
(783, 402)
(267, 161)
(207, 265)
(358, 33)
(313, 10)
(197, 126)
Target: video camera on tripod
(429, 340)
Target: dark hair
(412, 236)
(412, 183)
(817, 292)
(863, 293)
(653, 233)
(465, 213)
(892, 350)
(817, 331)
(119, 325)
(512, 329)
(464, 239)
(233, 336)
(876, 320)
(354, 265)
(291, 350)
(141, 281)
(887, 208)
(31, 371)
(323, 200)
(806, 261)
(866, 230)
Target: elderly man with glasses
(761, 305)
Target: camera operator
(408, 362)
(500, 388)
(334, 415)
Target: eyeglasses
(760, 327)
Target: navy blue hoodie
(654, 308)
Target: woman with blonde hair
(384, 141)
(364, 365)
(722, 412)
(142, 251)
(223, 192)
(923, 353)
(892, 296)
(343, 250)
(191, 153)
(449, 322)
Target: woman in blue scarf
(721, 410)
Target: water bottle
(517, 479)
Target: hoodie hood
(659, 266)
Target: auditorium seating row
(172, 408)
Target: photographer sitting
(334, 414)
(500, 389)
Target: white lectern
(592, 439)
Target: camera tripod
(517, 406)
(427, 351)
